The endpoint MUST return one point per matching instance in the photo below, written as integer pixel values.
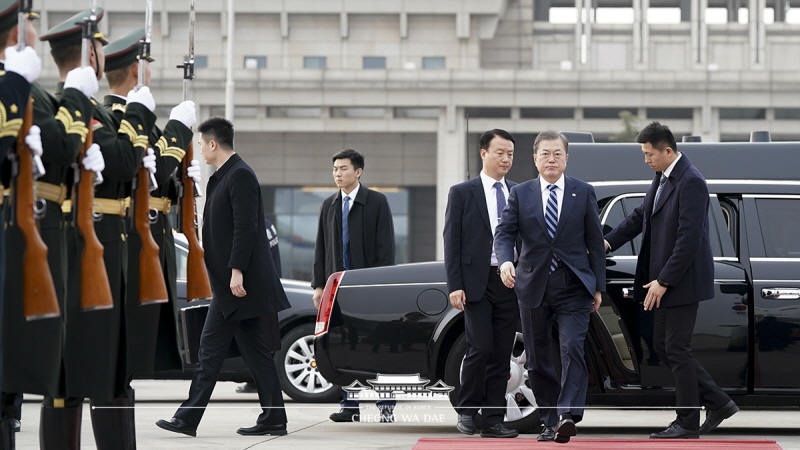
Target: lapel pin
(573, 194)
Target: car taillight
(326, 303)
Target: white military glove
(83, 79)
(93, 161)
(149, 161)
(184, 113)
(143, 96)
(34, 140)
(26, 63)
(193, 171)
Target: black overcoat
(371, 234)
(235, 236)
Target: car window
(780, 220)
(614, 214)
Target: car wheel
(297, 368)
(521, 410)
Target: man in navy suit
(675, 271)
(490, 308)
(558, 280)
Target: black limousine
(397, 320)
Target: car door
(721, 322)
(772, 224)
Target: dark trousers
(214, 342)
(566, 304)
(490, 325)
(672, 336)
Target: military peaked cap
(70, 31)
(124, 51)
(9, 14)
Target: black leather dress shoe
(466, 424)
(547, 434)
(261, 429)
(499, 431)
(565, 429)
(675, 431)
(177, 426)
(715, 417)
(345, 415)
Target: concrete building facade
(396, 79)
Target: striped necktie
(551, 217)
(347, 259)
(501, 200)
(660, 188)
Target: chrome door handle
(781, 293)
(627, 292)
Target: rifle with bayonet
(39, 293)
(95, 288)
(197, 283)
(152, 285)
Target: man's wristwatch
(662, 283)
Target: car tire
(524, 416)
(297, 368)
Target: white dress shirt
(546, 194)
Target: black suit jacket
(468, 239)
(235, 237)
(371, 234)
(578, 240)
(676, 247)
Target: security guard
(122, 144)
(151, 350)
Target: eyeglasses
(556, 155)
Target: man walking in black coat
(490, 309)
(247, 289)
(355, 231)
(674, 273)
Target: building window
(355, 112)
(547, 113)
(605, 113)
(670, 113)
(489, 113)
(217, 110)
(245, 111)
(374, 62)
(255, 62)
(433, 62)
(315, 62)
(200, 61)
(416, 113)
(742, 113)
(787, 113)
(294, 111)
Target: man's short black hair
(218, 129)
(357, 159)
(550, 135)
(487, 136)
(657, 135)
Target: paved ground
(309, 427)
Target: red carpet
(576, 443)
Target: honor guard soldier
(99, 370)
(155, 350)
(60, 125)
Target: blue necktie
(348, 262)
(660, 188)
(551, 217)
(501, 200)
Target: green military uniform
(153, 345)
(14, 94)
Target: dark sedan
(397, 320)
(297, 367)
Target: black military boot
(7, 434)
(60, 426)
(114, 424)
